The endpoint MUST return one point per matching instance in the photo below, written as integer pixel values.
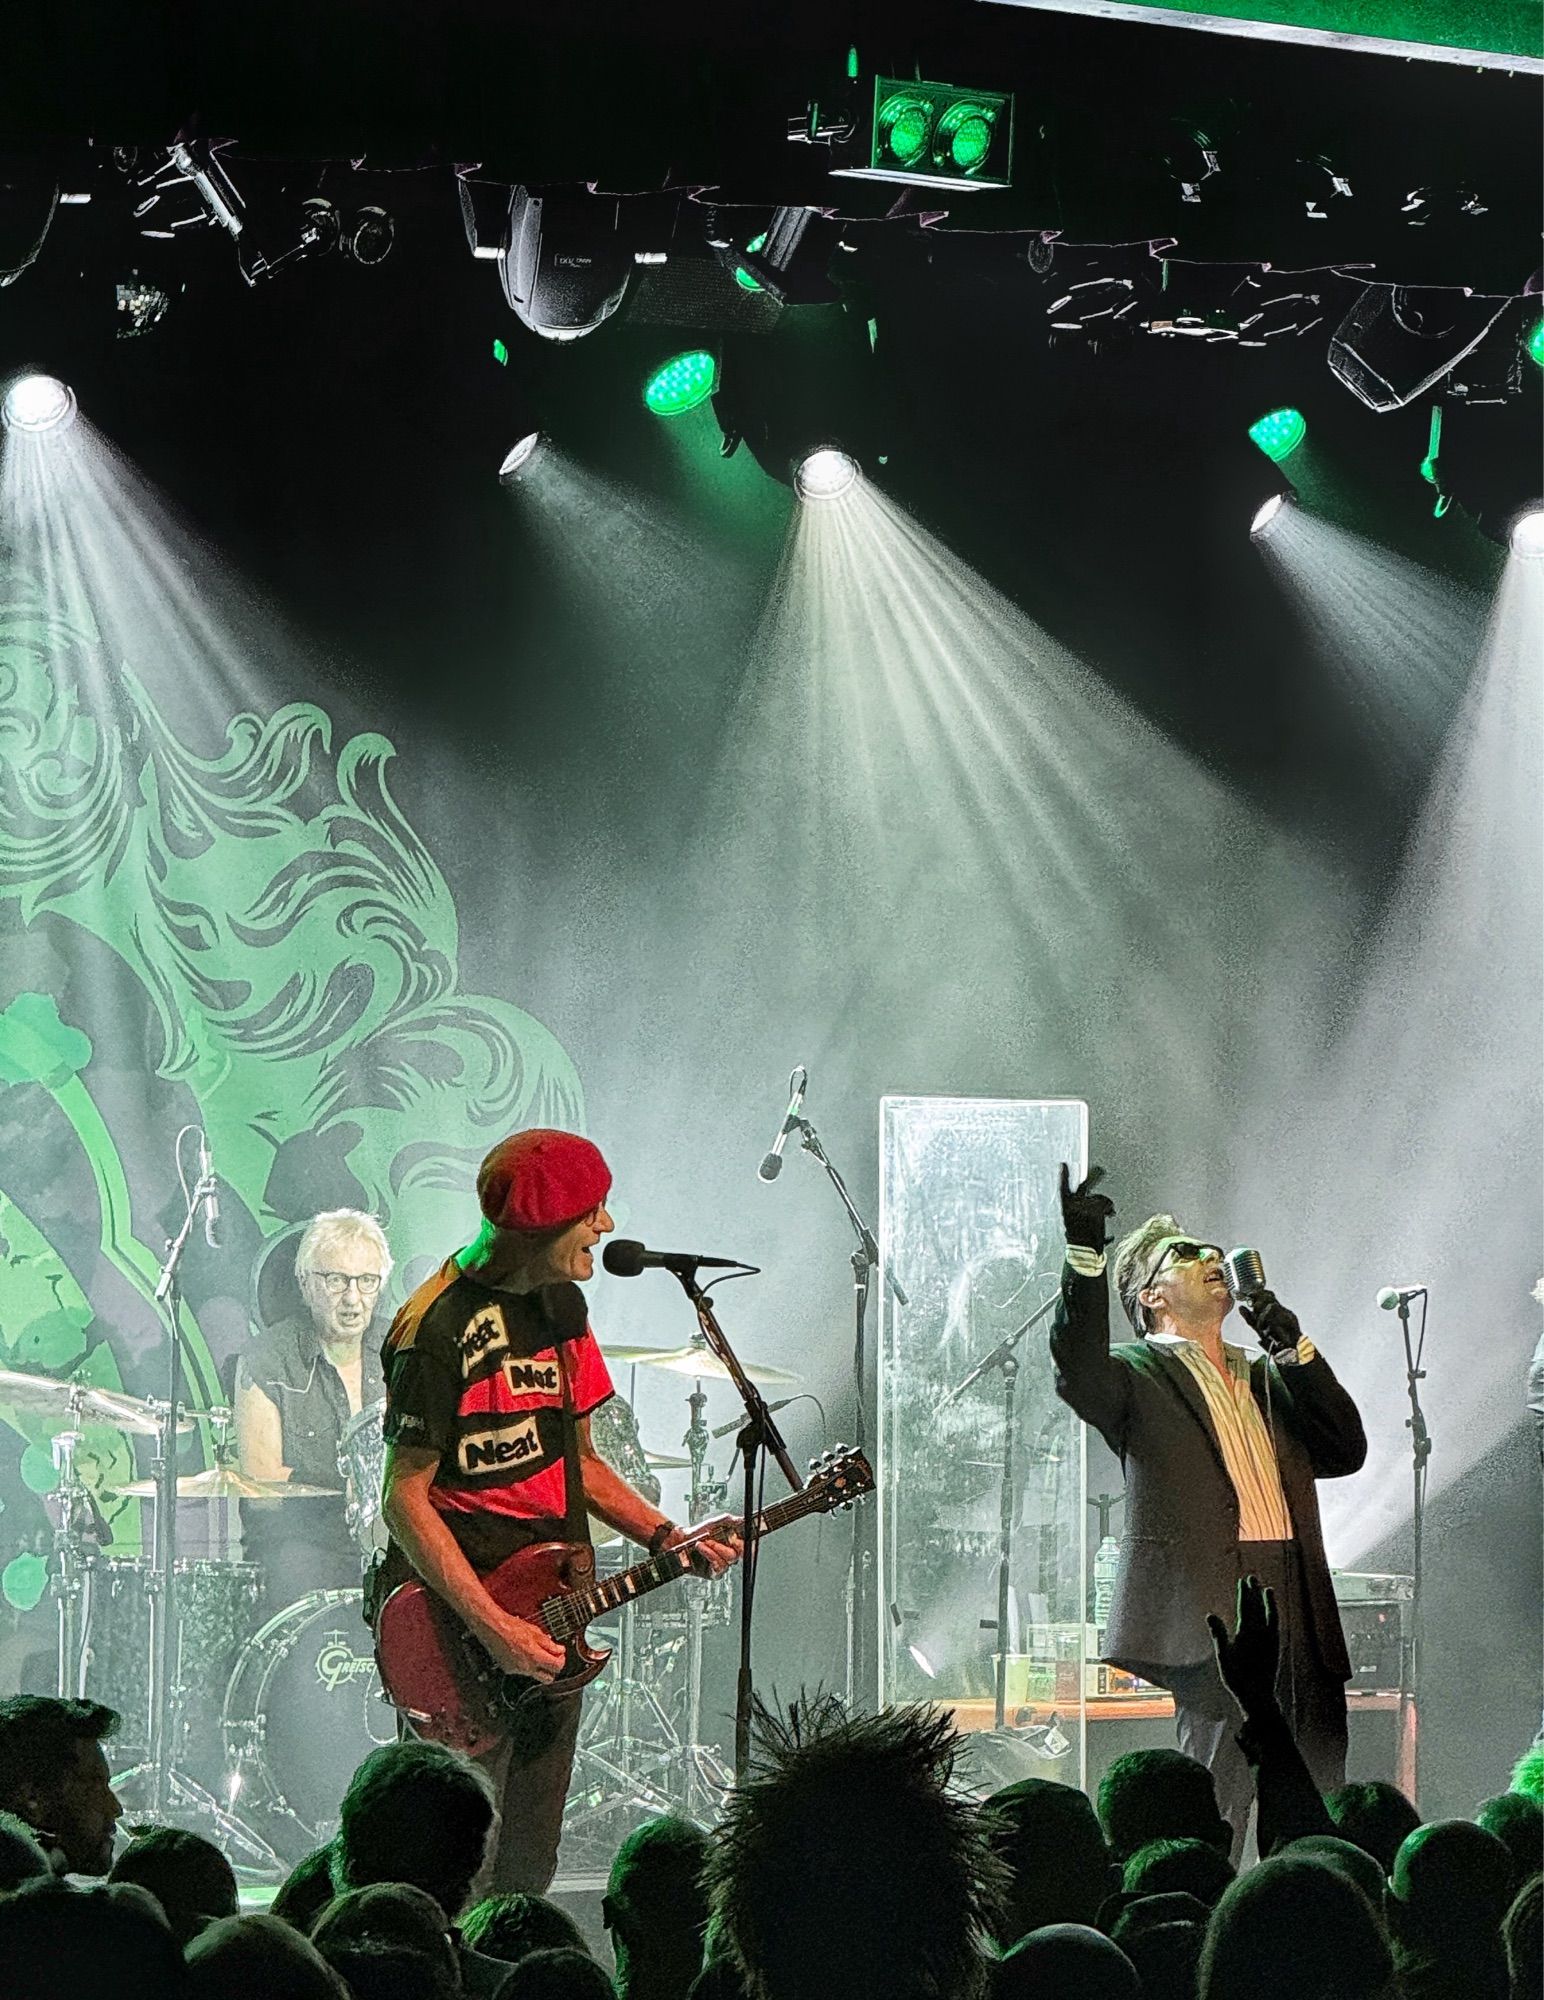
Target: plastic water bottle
(1106, 1566)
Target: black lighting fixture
(193, 184)
(791, 259)
(803, 401)
(1398, 341)
(563, 261)
(923, 134)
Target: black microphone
(772, 1163)
(1244, 1274)
(624, 1258)
(1399, 1295)
(211, 1196)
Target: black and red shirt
(478, 1375)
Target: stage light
(683, 382)
(38, 403)
(825, 474)
(1279, 433)
(519, 454)
(903, 125)
(563, 265)
(26, 215)
(1266, 514)
(791, 260)
(1527, 536)
(1397, 341)
(921, 1660)
(742, 277)
(370, 236)
(935, 133)
(1536, 343)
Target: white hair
(336, 1226)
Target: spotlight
(825, 474)
(742, 277)
(791, 260)
(564, 267)
(921, 1660)
(38, 403)
(370, 236)
(1279, 433)
(1536, 343)
(1398, 340)
(1527, 536)
(934, 134)
(681, 383)
(519, 455)
(1266, 514)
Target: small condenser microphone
(772, 1163)
(212, 1192)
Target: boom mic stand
(865, 1260)
(1004, 1356)
(759, 1434)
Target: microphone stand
(759, 1434)
(1004, 1356)
(865, 1260)
(1420, 1453)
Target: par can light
(1527, 536)
(825, 474)
(681, 383)
(36, 403)
(519, 454)
(1279, 433)
(1266, 514)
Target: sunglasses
(1183, 1251)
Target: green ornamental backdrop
(255, 941)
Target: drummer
(297, 1387)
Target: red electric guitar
(436, 1672)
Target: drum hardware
(80, 1404)
(225, 1482)
(699, 1361)
(362, 1464)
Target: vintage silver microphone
(1244, 1274)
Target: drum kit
(299, 1695)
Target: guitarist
(492, 1376)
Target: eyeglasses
(1183, 1251)
(336, 1283)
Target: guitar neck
(574, 1609)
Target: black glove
(1275, 1326)
(1084, 1213)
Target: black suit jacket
(1178, 1551)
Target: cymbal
(625, 1355)
(73, 1402)
(665, 1461)
(704, 1364)
(225, 1482)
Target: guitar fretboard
(567, 1615)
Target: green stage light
(964, 137)
(1279, 433)
(1536, 342)
(682, 383)
(742, 277)
(940, 134)
(903, 126)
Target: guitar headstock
(837, 1478)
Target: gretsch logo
(337, 1664)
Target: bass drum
(303, 1710)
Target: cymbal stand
(704, 1778)
(72, 1513)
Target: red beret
(541, 1180)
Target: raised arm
(1087, 1378)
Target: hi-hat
(665, 1461)
(703, 1363)
(77, 1402)
(225, 1482)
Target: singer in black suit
(1220, 1454)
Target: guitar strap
(576, 1518)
